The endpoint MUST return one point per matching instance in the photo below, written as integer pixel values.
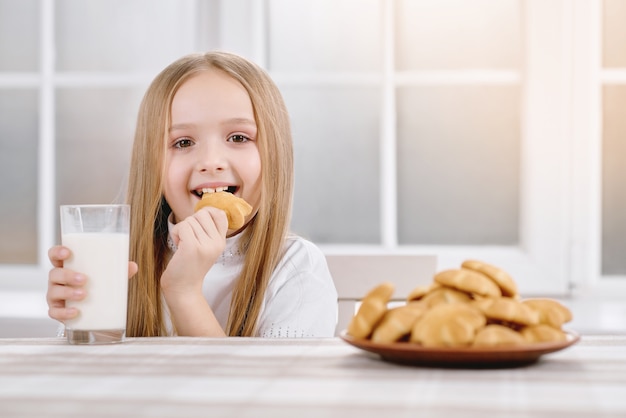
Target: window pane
(19, 35)
(122, 35)
(337, 170)
(458, 165)
(457, 34)
(613, 175)
(324, 35)
(614, 33)
(18, 170)
(94, 142)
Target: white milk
(103, 259)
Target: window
(420, 127)
(461, 128)
(613, 138)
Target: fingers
(58, 254)
(57, 291)
(65, 277)
(63, 285)
(62, 314)
(208, 223)
(57, 297)
(213, 221)
(220, 219)
(200, 229)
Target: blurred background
(460, 128)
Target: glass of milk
(97, 236)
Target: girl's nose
(213, 157)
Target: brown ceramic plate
(464, 357)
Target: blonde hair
(263, 238)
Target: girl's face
(212, 143)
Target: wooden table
(245, 377)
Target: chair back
(356, 275)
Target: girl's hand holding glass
(65, 284)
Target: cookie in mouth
(235, 207)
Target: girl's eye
(238, 138)
(183, 143)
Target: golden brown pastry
(443, 294)
(507, 310)
(542, 333)
(469, 281)
(497, 335)
(448, 325)
(398, 322)
(235, 207)
(373, 307)
(500, 277)
(551, 312)
(475, 306)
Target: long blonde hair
(263, 238)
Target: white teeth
(217, 189)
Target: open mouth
(229, 189)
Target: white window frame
(588, 79)
(540, 262)
(560, 223)
(560, 228)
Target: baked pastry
(235, 207)
(474, 306)
(500, 277)
(448, 325)
(373, 308)
(398, 322)
(497, 335)
(468, 281)
(507, 310)
(542, 333)
(444, 294)
(551, 312)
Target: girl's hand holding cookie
(200, 239)
(236, 208)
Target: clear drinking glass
(98, 237)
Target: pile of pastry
(477, 305)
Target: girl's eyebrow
(233, 121)
(245, 121)
(180, 126)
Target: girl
(213, 121)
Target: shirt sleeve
(301, 299)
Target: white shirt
(300, 299)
